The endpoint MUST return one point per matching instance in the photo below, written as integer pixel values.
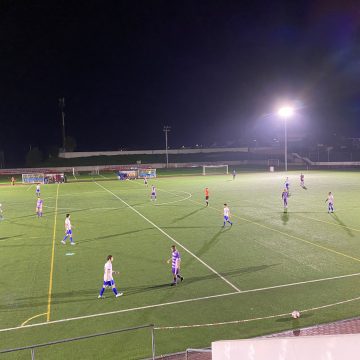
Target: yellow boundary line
(52, 258)
(328, 222)
(33, 317)
(288, 235)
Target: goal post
(35, 178)
(274, 162)
(215, 169)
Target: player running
(330, 201)
(207, 196)
(68, 231)
(226, 215)
(37, 191)
(145, 181)
(285, 196)
(39, 207)
(108, 278)
(153, 193)
(175, 265)
(302, 183)
(234, 174)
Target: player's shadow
(9, 237)
(236, 272)
(187, 215)
(285, 217)
(304, 187)
(114, 235)
(132, 290)
(75, 296)
(342, 224)
(212, 242)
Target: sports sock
(114, 290)
(102, 291)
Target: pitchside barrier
(33, 348)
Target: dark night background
(209, 69)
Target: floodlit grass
(230, 274)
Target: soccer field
(239, 282)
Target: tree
(34, 157)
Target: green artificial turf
(231, 274)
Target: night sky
(213, 70)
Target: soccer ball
(295, 314)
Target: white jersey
(226, 211)
(38, 188)
(108, 272)
(331, 199)
(67, 224)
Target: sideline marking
(52, 259)
(181, 302)
(33, 317)
(171, 238)
(286, 234)
(254, 319)
(328, 222)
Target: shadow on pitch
(348, 231)
(114, 235)
(57, 298)
(212, 242)
(237, 272)
(187, 215)
(10, 237)
(285, 217)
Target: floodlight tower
(62, 106)
(166, 129)
(286, 112)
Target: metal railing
(50, 343)
(197, 351)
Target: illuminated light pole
(166, 129)
(61, 106)
(286, 112)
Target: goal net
(274, 162)
(215, 169)
(33, 178)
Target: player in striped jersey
(175, 265)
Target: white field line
(185, 301)
(253, 319)
(170, 237)
(29, 187)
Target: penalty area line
(170, 237)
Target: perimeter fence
(31, 351)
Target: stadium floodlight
(286, 112)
